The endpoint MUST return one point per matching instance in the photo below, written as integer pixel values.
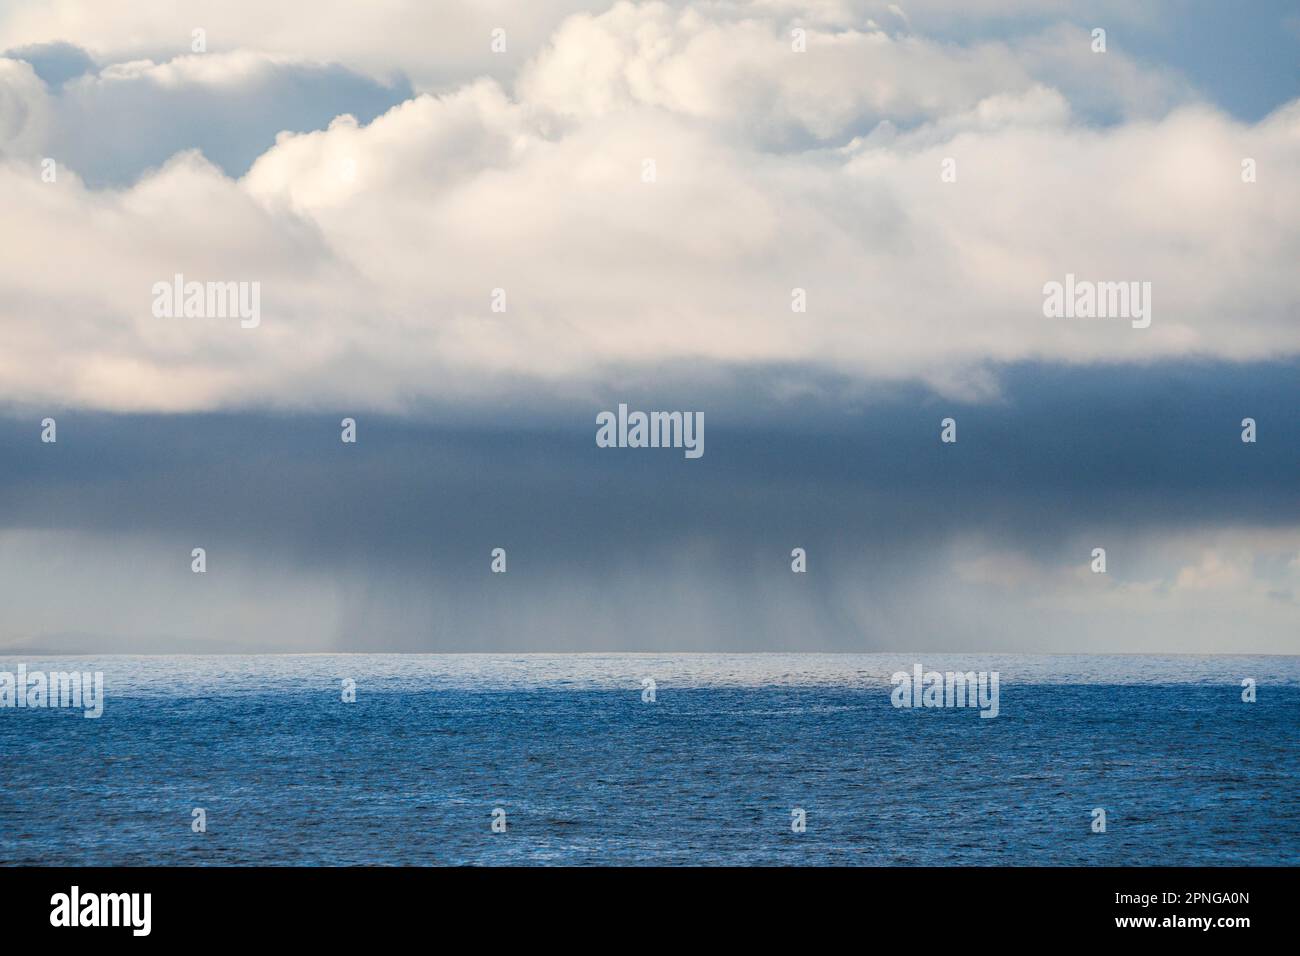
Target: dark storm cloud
(1146, 445)
(409, 514)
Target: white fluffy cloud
(378, 246)
(744, 76)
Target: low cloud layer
(985, 544)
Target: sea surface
(587, 772)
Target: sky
(476, 226)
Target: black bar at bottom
(214, 905)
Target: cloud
(646, 187)
(24, 110)
(433, 45)
(744, 75)
(111, 125)
(450, 41)
(385, 544)
(379, 245)
(378, 249)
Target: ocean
(583, 770)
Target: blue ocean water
(708, 773)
